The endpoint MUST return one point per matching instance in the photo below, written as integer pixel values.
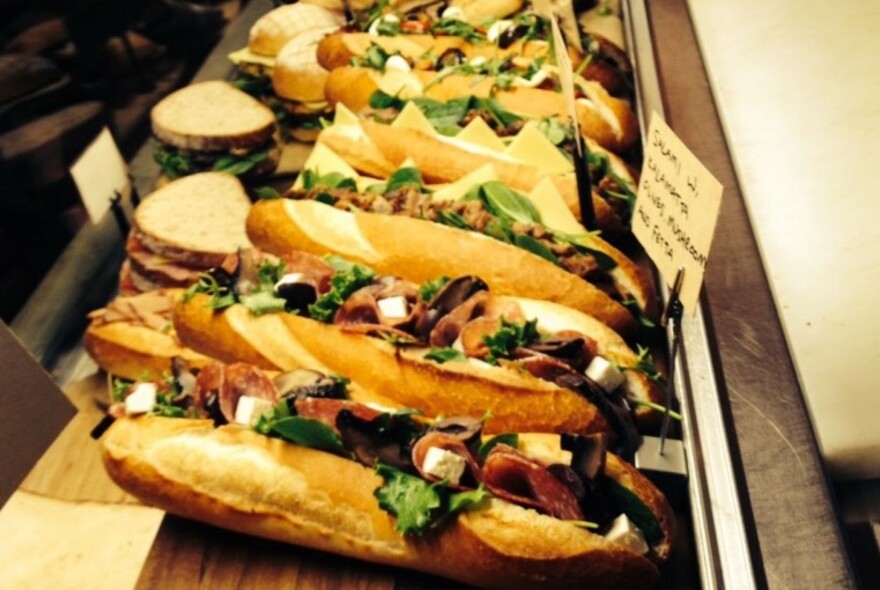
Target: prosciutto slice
(512, 476)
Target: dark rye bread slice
(212, 116)
(196, 221)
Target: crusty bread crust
(395, 245)
(353, 86)
(516, 402)
(337, 50)
(240, 480)
(276, 28)
(212, 116)
(196, 220)
(443, 161)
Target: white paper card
(676, 209)
(99, 173)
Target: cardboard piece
(33, 408)
(99, 174)
(676, 209)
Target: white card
(99, 173)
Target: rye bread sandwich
(214, 126)
(184, 228)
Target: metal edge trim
(712, 484)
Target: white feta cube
(605, 374)
(250, 409)
(498, 27)
(142, 398)
(289, 279)
(444, 464)
(397, 62)
(453, 13)
(624, 532)
(394, 307)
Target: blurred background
(67, 69)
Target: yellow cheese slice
(412, 117)
(344, 116)
(247, 56)
(532, 147)
(323, 160)
(555, 214)
(478, 132)
(456, 190)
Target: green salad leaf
(345, 282)
(239, 165)
(509, 337)
(445, 355)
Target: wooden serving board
(69, 526)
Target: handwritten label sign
(676, 209)
(99, 173)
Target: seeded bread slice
(197, 220)
(212, 116)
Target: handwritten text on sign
(676, 209)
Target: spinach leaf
(636, 511)
(452, 219)
(238, 166)
(419, 505)
(444, 355)
(527, 242)
(510, 439)
(381, 100)
(173, 163)
(505, 202)
(509, 337)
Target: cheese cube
(444, 465)
(288, 279)
(250, 409)
(394, 307)
(453, 13)
(624, 532)
(605, 374)
(397, 62)
(496, 29)
(142, 399)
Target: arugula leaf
(510, 439)
(419, 505)
(444, 355)
(221, 295)
(457, 28)
(500, 230)
(641, 317)
(165, 407)
(173, 163)
(430, 288)
(645, 364)
(263, 301)
(509, 337)
(374, 57)
(636, 511)
(119, 387)
(555, 130)
(342, 285)
(527, 242)
(238, 166)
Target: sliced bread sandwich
(214, 126)
(184, 228)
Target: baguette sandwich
(523, 86)
(512, 511)
(214, 126)
(529, 246)
(134, 336)
(182, 229)
(450, 142)
(455, 346)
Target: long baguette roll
(607, 120)
(336, 51)
(240, 480)
(444, 159)
(396, 245)
(516, 400)
(134, 336)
